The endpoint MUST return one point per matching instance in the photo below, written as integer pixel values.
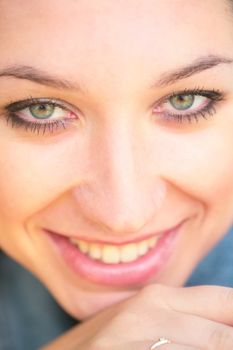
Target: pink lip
(123, 274)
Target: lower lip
(123, 274)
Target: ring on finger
(161, 341)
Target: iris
(42, 111)
(182, 102)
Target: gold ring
(161, 341)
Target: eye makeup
(39, 115)
(192, 105)
(22, 114)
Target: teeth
(129, 253)
(143, 248)
(95, 251)
(83, 246)
(110, 254)
(152, 242)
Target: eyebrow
(199, 65)
(38, 76)
(41, 77)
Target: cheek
(32, 176)
(201, 163)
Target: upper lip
(140, 238)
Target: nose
(121, 193)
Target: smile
(126, 264)
(115, 254)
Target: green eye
(42, 111)
(182, 102)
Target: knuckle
(153, 290)
(92, 346)
(228, 297)
(100, 341)
(155, 295)
(221, 338)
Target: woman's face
(133, 141)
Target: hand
(194, 318)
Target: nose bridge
(124, 178)
(121, 195)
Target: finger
(170, 346)
(211, 302)
(176, 347)
(173, 347)
(191, 330)
(147, 346)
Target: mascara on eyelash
(181, 118)
(33, 127)
(16, 121)
(212, 94)
(209, 110)
(18, 105)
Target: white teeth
(95, 251)
(110, 254)
(152, 241)
(143, 248)
(83, 246)
(129, 253)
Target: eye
(188, 105)
(43, 111)
(40, 114)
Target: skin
(118, 172)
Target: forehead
(109, 35)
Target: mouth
(119, 265)
(115, 254)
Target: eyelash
(18, 122)
(11, 111)
(208, 110)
